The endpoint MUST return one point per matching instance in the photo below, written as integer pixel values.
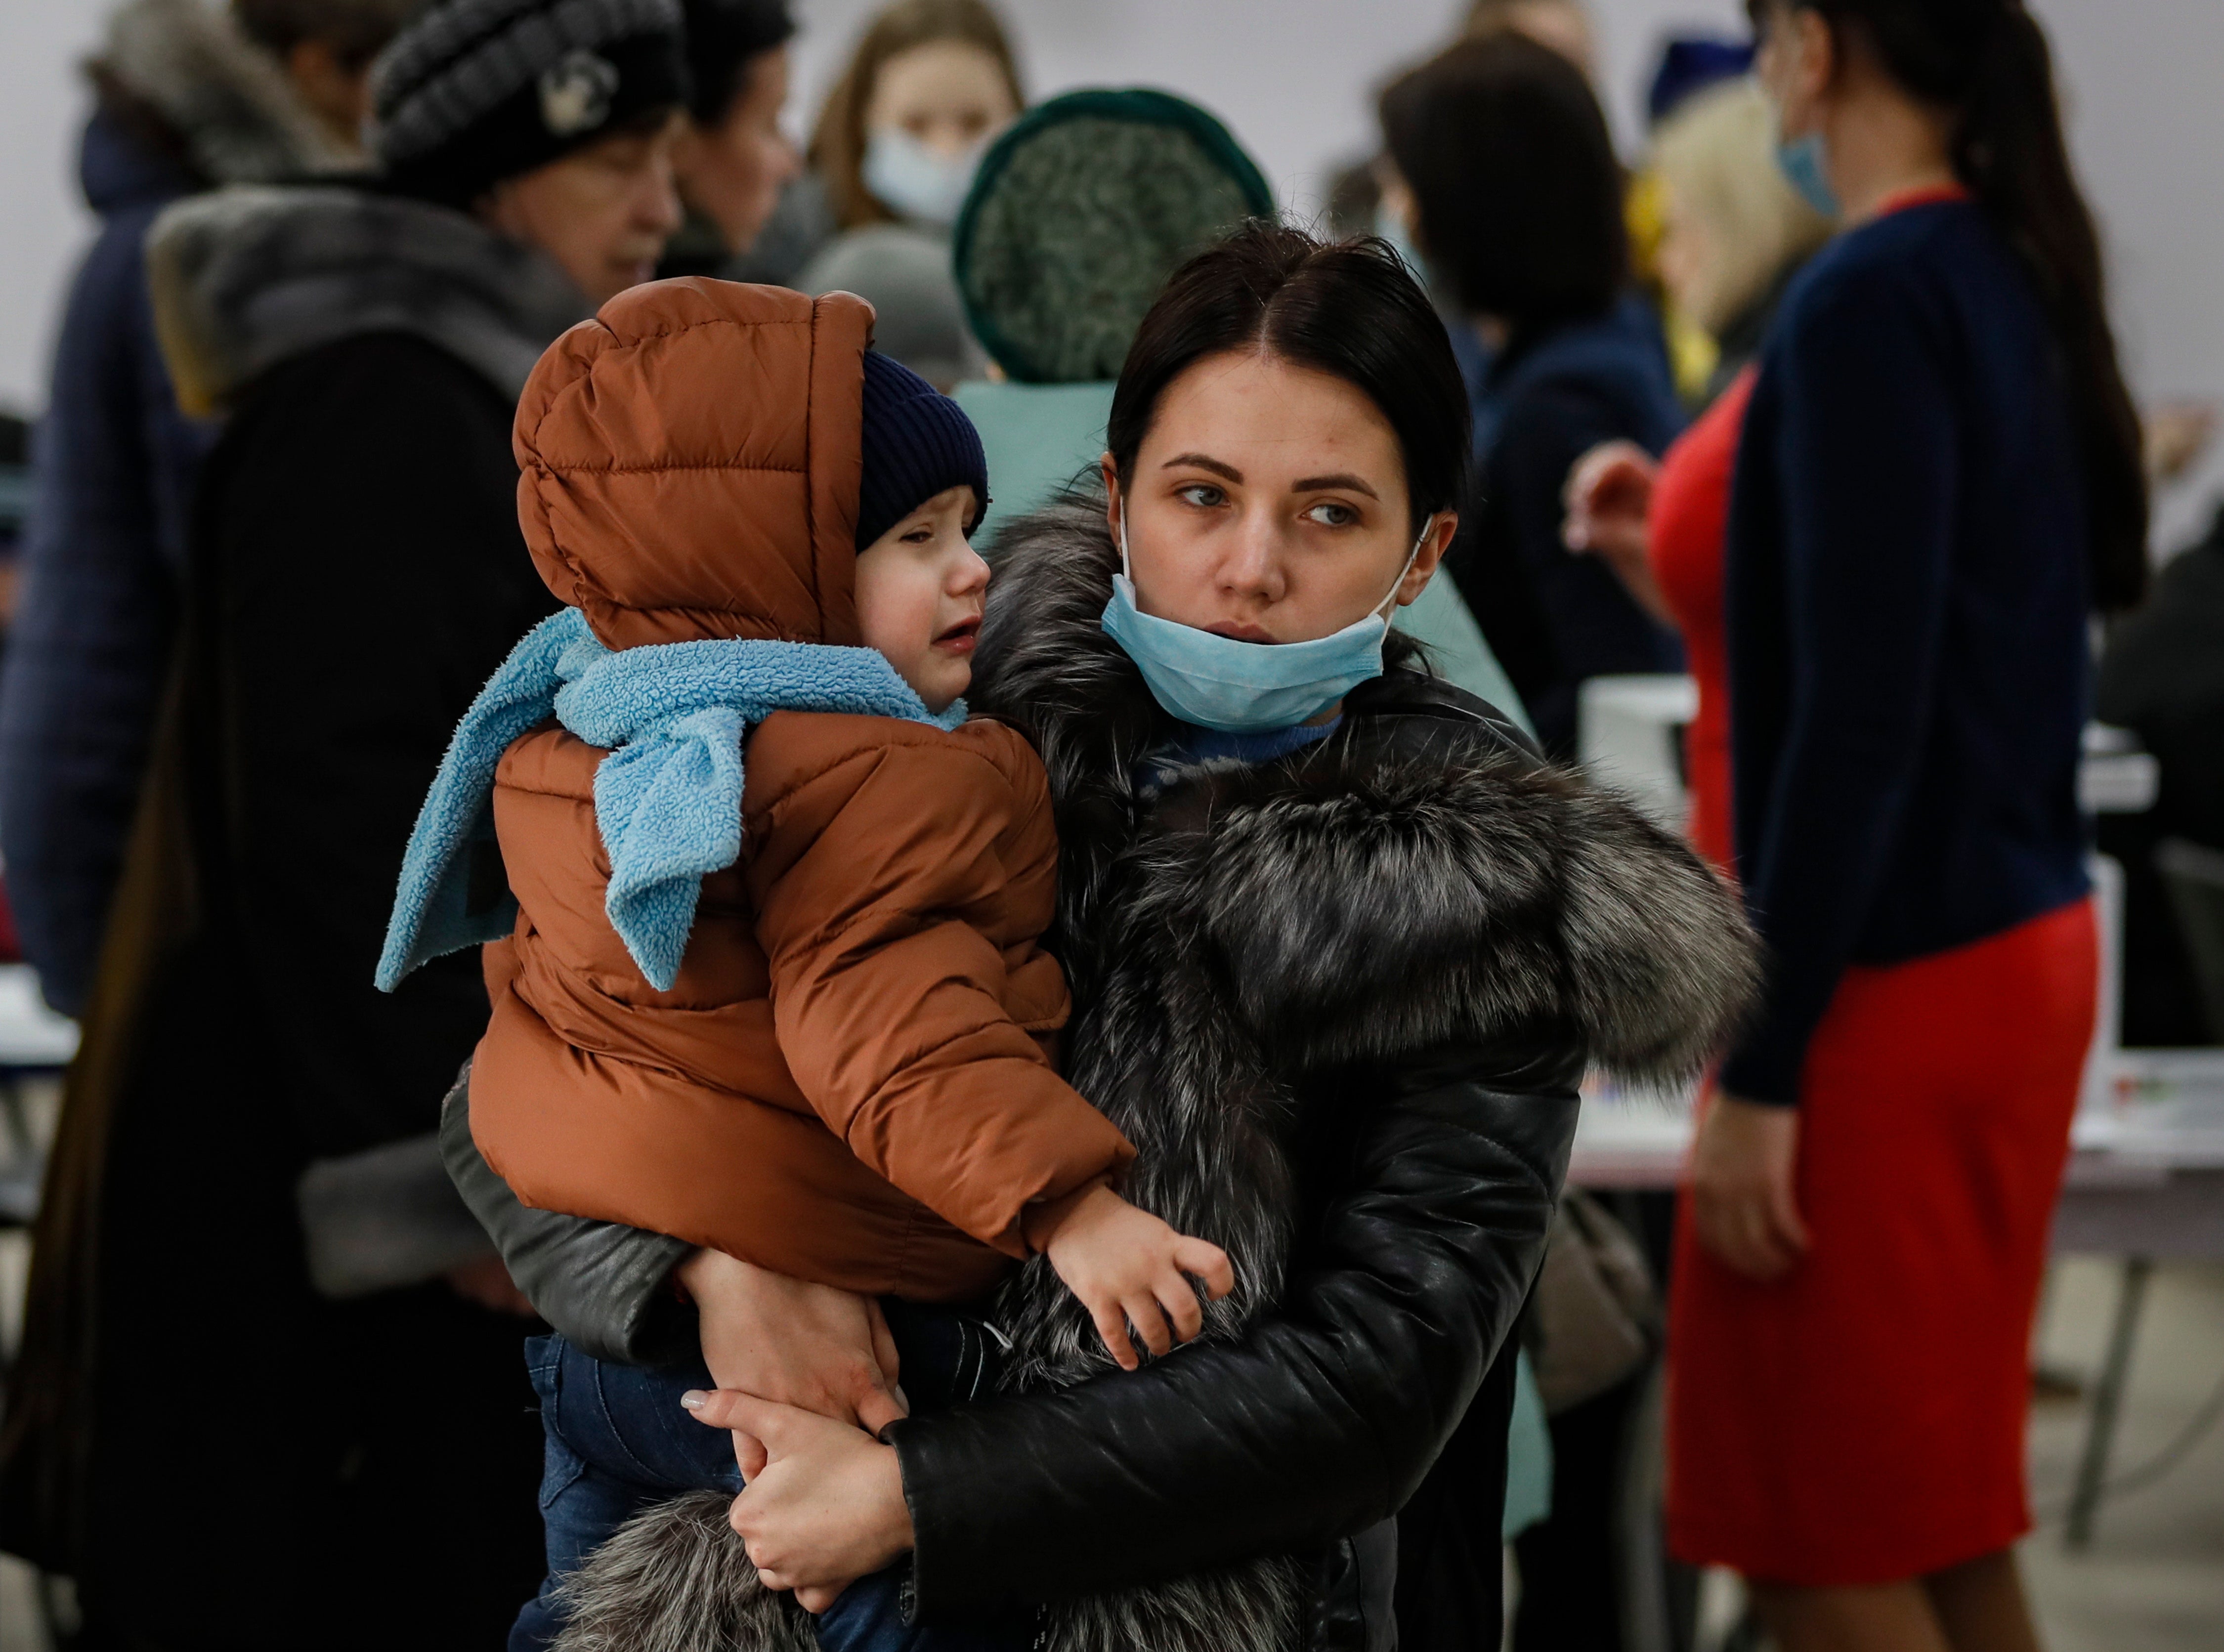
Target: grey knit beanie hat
(476, 90)
(1079, 213)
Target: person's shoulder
(376, 410)
(1608, 371)
(1886, 264)
(982, 764)
(1406, 708)
(551, 761)
(381, 367)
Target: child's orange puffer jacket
(842, 1085)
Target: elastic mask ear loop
(1411, 556)
(1126, 572)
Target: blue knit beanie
(917, 442)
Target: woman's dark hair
(1509, 160)
(1348, 309)
(355, 30)
(1987, 61)
(723, 38)
(837, 143)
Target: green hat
(1077, 217)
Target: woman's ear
(1817, 66)
(1110, 472)
(1436, 539)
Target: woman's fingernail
(693, 1398)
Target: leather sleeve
(607, 1288)
(1319, 1423)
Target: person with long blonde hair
(931, 84)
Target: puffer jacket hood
(677, 492)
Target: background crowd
(1817, 401)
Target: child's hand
(1125, 1265)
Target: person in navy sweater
(1939, 482)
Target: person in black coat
(246, 1211)
(185, 101)
(1337, 966)
(1504, 163)
(2162, 675)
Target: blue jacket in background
(113, 463)
(1553, 618)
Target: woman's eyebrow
(1227, 471)
(1341, 479)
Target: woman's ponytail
(1988, 60)
(2011, 152)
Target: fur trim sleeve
(1368, 915)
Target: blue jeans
(619, 1441)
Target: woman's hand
(1742, 1202)
(1609, 501)
(828, 1506)
(783, 1339)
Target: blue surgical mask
(1243, 688)
(1392, 228)
(908, 178)
(1804, 160)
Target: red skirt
(1862, 1422)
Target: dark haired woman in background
(1507, 173)
(1309, 896)
(1939, 480)
(731, 159)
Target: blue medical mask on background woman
(1805, 162)
(918, 182)
(1246, 688)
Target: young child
(768, 978)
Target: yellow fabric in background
(1692, 353)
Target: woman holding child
(1339, 947)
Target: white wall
(43, 221)
(1295, 79)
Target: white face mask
(917, 182)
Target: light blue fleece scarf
(667, 799)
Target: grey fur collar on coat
(250, 276)
(229, 102)
(1419, 892)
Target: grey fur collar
(227, 98)
(250, 276)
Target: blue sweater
(114, 464)
(1907, 596)
(1554, 619)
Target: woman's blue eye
(1329, 514)
(1201, 494)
